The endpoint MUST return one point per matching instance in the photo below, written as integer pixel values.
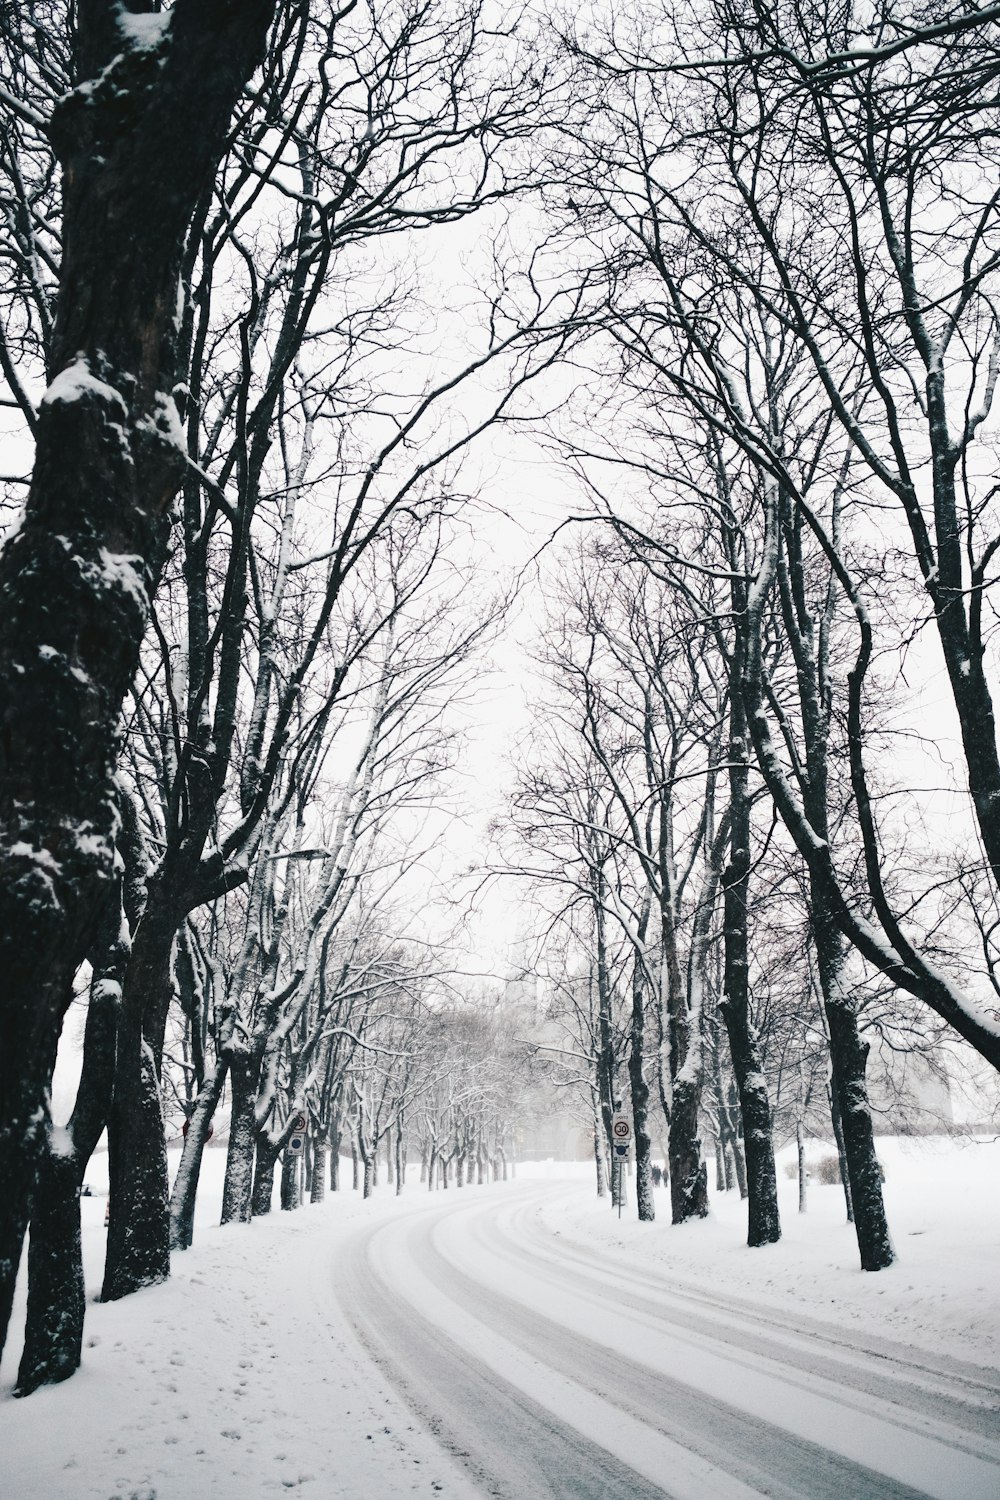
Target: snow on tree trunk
(369, 1184)
(800, 1158)
(53, 1335)
(400, 1157)
(244, 1071)
(602, 1187)
(838, 1135)
(317, 1190)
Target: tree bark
(185, 1188)
(265, 1161)
(849, 1057)
(237, 1192)
(763, 1220)
(53, 1337)
(639, 1087)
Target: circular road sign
(299, 1122)
(621, 1129)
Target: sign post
(621, 1138)
(296, 1140)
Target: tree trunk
(317, 1190)
(185, 1189)
(720, 1166)
(53, 1336)
(688, 1172)
(800, 1157)
(78, 574)
(139, 1224)
(369, 1160)
(335, 1155)
(637, 1081)
(763, 1220)
(602, 1187)
(138, 1252)
(244, 1076)
(265, 1161)
(290, 1180)
(838, 1136)
(400, 1157)
(849, 1057)
(56, 1298)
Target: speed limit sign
(621, 1129)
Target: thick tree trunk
(53, 1336)
(290, 1168)
(56, 1298)
(688, 1172)
(800, 1160)
(265, 1161)
(237, 1192)
(369, 1182)
(139, 1232)
(400, 1157)
(185, 1188)
(139, 1225)
(317, 1189)
(77, 576)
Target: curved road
(551, 1370)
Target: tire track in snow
(966, 1394)
(890, 1442)
(461, 1306)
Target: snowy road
(548, 1369)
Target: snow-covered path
(551, 1369)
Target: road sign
(294, 1147)
(621, 1130)
(621, 1150)
(299, 1122)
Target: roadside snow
(943, 1205)
(238, 1378)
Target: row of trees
(216, 804)
(798, 227)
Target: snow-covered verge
(943, 1202)
(239, 1378)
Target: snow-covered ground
(243, 1376)
(943, 1201)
